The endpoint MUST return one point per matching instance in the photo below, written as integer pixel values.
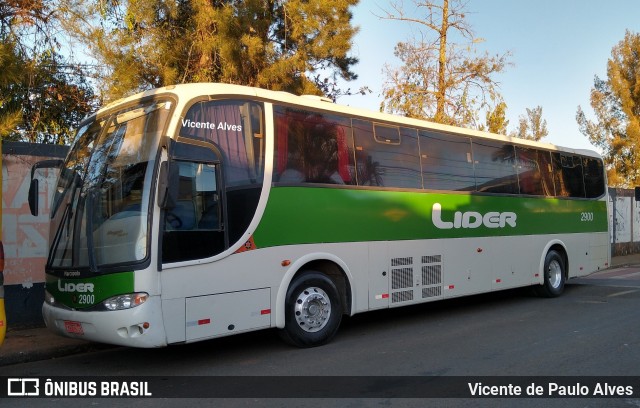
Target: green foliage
(616, 104)
(10, 73)
(42, 98)
(300, 46)
(53, 102)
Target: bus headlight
(128, 301)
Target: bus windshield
(100, 208)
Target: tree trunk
(442, 63)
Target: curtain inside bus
(221, 123)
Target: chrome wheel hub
(554, 274)
(312, 309)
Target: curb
(44, 354)
(29, 344)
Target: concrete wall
(24, 236)
(624, 222)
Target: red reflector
(498, 280)
(451, 286)
(73, 327)
(265, 311)
(204, 321)
(385, 296)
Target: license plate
(73, 327)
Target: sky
(557, 46)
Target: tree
(10, 73)
(531, 126)
(300, 46)
(616, 104)
(441, 80)
(496, 119)
(42, 97)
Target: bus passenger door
(192, 228)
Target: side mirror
(33, 196)
(168, 181)
(34, 186)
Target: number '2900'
(86, 299)
(586, 216)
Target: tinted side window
(568, 175)
(495, 167)
(546, 172)
(594, 183)
(196, 216)
(530, 171)
(313, 147)
(386, 156)
(446, 162)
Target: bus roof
(192, 90)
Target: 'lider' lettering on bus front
(75, 287)
(473, 219)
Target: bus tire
(313, 310)
(554, 275)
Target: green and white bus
(197, 211)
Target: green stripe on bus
(85, 292)
(303, 215)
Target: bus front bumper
(140, 326)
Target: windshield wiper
(90, 200)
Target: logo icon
(23, 387)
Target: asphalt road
(592, 330)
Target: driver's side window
(193, 226)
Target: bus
(196, 211)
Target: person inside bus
(315, 173)
(294, 173)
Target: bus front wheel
(555, 275)
(312, 310)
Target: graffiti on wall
(25, 237)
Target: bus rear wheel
(555, 275)
(312, 310)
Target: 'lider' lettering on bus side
(473, 219)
